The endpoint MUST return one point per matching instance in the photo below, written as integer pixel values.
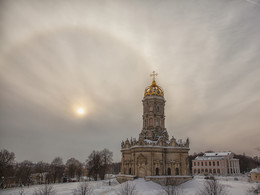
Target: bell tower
(153, 113)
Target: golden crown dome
(154, 89)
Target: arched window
(150, 122)
(157, 171)
(157, 108)
(129, 171)
(206, 170)
(177, 171)
(157, 122)
(214, 171)
(169, 171)
(202, 170)
(210, 171)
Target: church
(153, 155)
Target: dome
(154, 89)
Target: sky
(57, 56)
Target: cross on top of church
(154, 75)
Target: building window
(214, 171)
(176, 171)
(217, 163)
(202, 170)
(206, 164)
(194, 163)
(129, 171)
(150, 122)
(201, 163)
(157, 122)
(218, 171)
(206, 170)
(198, 171)
(209, 163)
(194, 171)
(157, 171)
(157, 108)
(150, 108)
(213, 163)
(169, 171)
(198, 163)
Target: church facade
(153, 153)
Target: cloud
(56, 57)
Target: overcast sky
(56, 56)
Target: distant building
(219, 163)
(255, 174)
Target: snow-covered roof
(208, 158)
(256, 170)
(217, 154)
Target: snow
(256, 170)
(217, 154)
(143, 187)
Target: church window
(169, 171)
(157, 108)
(177, 171)
(150, 122)
(129, 171)
(157, 122)
(157, 171)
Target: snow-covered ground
(234, 187)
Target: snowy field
(233, 187)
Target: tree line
(96, 166)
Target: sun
(81, 111)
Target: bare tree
(57, 169)
(94, 163)
(40, 168)
(254, 190)
(83, 189)
(45, 190)
(98, 163)
(172, 188)
(73, 168)
(6, 166)
(213, 187)
(106, 160)
(127, 188)
(23, 173)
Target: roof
(256, 170)
(217, 154)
